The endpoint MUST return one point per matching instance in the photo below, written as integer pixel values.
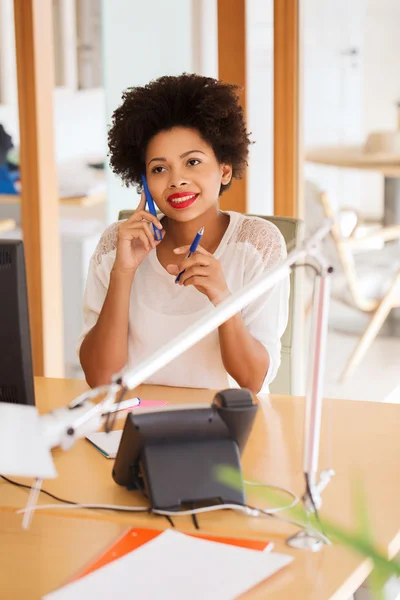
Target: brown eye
(193, 162)
(157, 169)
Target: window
(77, 43)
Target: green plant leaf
(360, 541)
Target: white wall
(382, 51)
(260, 104)
(205, 37)
(79, 123)
(333, 99)
(141, 41)
(381, 85)
(79, 116)
(8, 73)
(348, 96)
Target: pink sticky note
(151, 403)
(126, 406)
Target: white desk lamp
(64, 426)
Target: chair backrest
(335, 246)
(317, 209)
(289, 379)
(125, 214)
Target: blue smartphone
(151, 207)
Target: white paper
(23, 449)
(174, 566)
(108, 443)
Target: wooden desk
(366, 445)
(38, 561)
(55, 549)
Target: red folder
(136, 537)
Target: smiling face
(183, 173)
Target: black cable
(195, 521)
(63, 501)
(308, 487)
(42, 491)
(123, 509)
(170, 521)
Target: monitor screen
(16, 372)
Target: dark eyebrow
(190, 152)
(162, 158)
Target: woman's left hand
(203, 271)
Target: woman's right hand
(136, 239)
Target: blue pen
(152, 208)
(192, 249)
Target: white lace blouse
(160, 310)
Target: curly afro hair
(188, 100)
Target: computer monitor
(16, 372)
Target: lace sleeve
(107, 242)
(266, 317)
(265, 237)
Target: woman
(187, 134)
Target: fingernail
(177, 250)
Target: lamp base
(305, 540)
